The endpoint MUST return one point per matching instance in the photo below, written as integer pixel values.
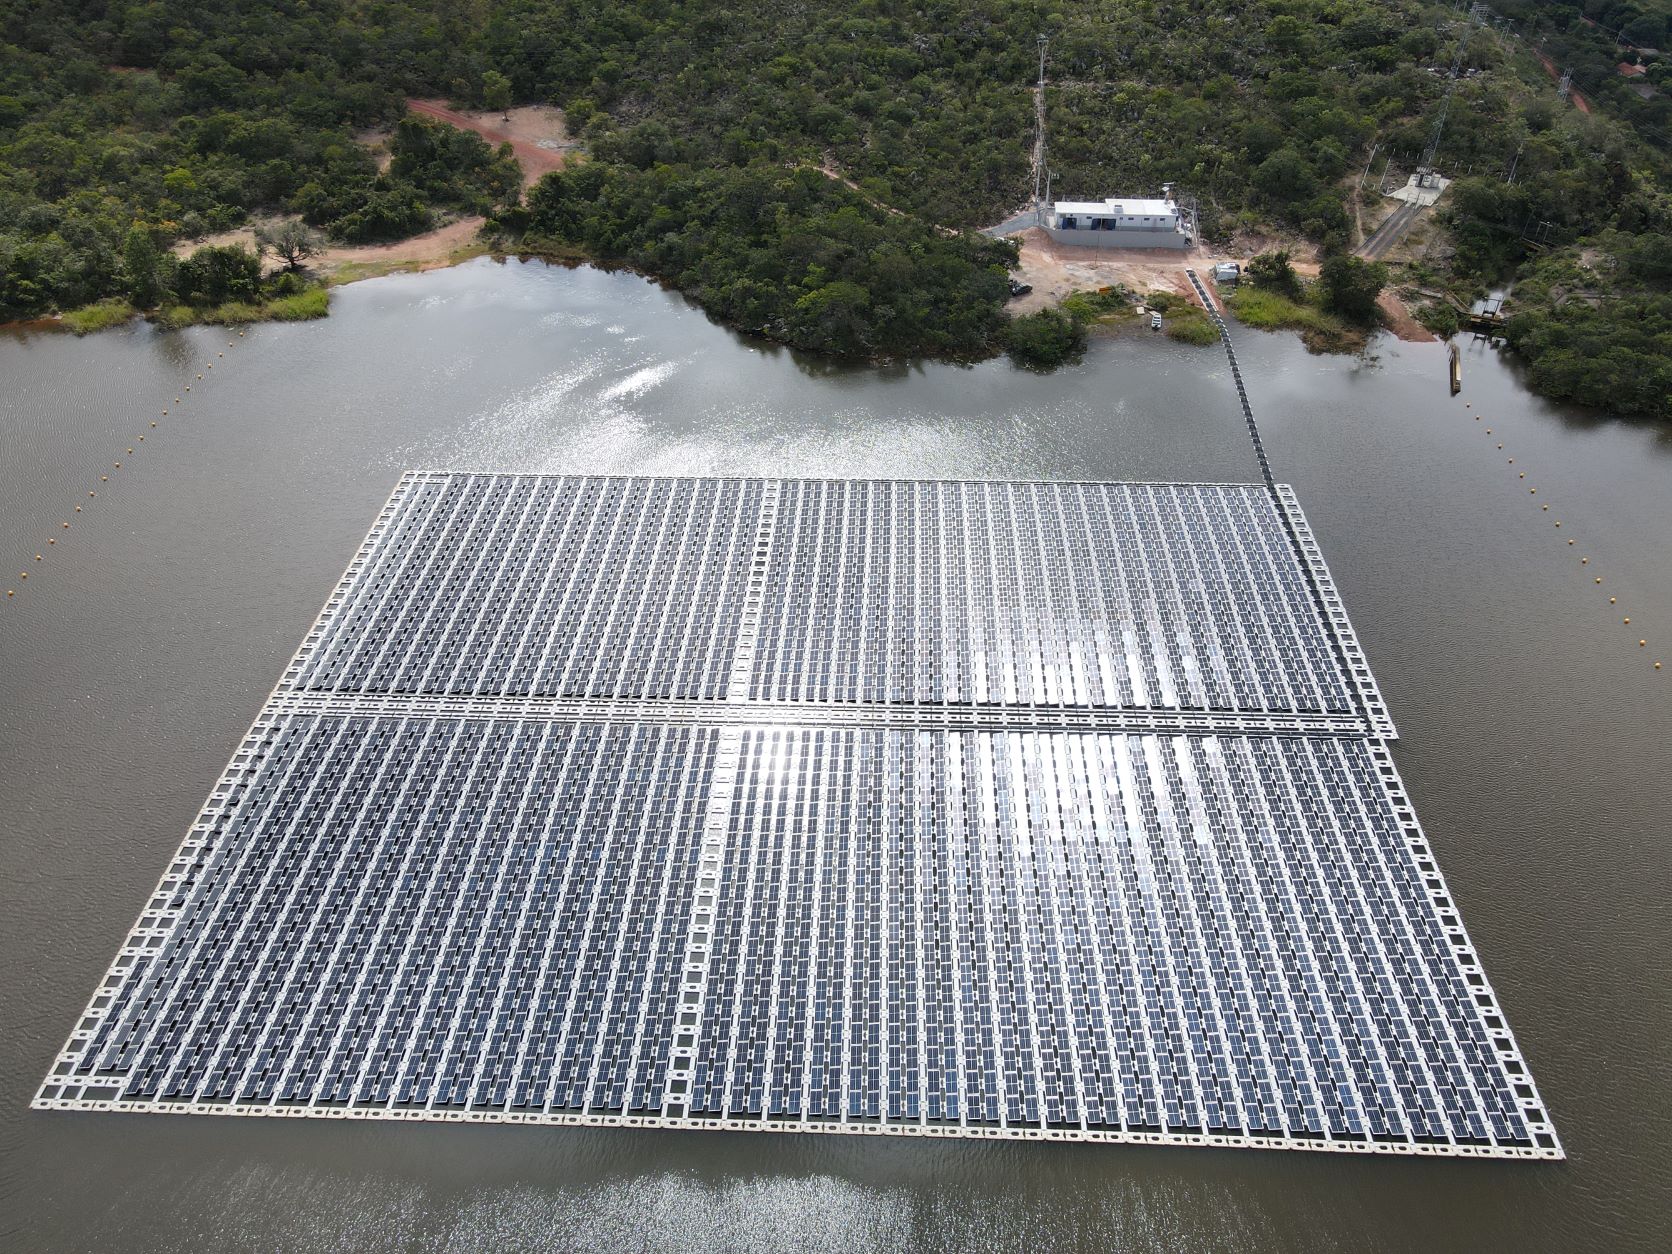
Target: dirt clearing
(536, 133)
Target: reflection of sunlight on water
(640, 381)
(616, 329)
(649, 1212)
(563, 318)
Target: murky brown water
(1537, 744)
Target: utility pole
(1368, 162)
(1039, 122)
(1425, 168)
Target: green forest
(715, 132)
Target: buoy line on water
(1584, 560)
(23, 576)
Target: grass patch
(1106, 304)
(1321, 332)
(99, 317)
(315, 302)
(1190, 326)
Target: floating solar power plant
(1018, 810)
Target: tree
(1350, 286)
(215, 274)
(1045, 339)
(1273, 272)
(496, 93)
(140, 256)
(291, 242)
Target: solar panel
(1060, 811)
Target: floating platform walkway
(1043, 810)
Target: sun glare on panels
(982, 809)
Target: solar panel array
(1041, 810)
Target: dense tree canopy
(126, 127)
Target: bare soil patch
(536, 133)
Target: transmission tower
(1565, 88)
(1425, 168)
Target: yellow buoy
(1522, 475)
(1534, 492)
(1570, 541)
(1599, 578)
(199, 379)
(1612, 600)
(1512, 461)
(220, 354)
(10, 593)
(116, 465)
(37, 557)
(92, 494)
(1628, 622)
(78, 509)
(52, 539)
(23, 575)
(1657, 664)
(1541, 506)
(142, 438)
(1584, 561)
(104, 478)
(188, 388)
(1642, 644)
(67, 525)
(1500, 446)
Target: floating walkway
(1035, 810)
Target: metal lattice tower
(1565, 88)
(1477, 15)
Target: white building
(1118, 222)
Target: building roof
(1118, 205)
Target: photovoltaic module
(1049, 810)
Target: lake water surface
(1537, 744)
